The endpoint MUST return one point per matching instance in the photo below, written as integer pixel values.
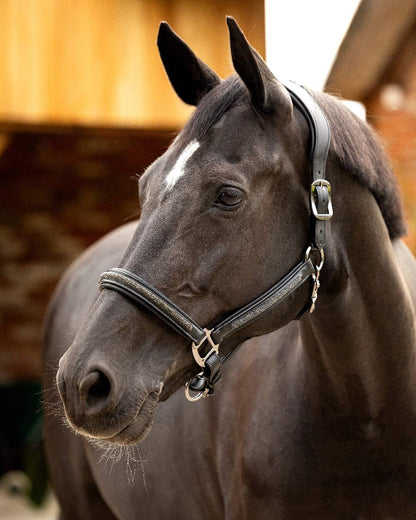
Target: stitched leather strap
(139, 291)
(320, 141)
(265, 302)
(318, 124)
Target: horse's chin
(133, 431)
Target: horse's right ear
(189, 76)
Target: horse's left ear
(190, 77)
(266, 91)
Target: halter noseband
(142, 293)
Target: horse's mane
(353, 143)
(358, 149)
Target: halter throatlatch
(206, 343)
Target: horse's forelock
(213, 106)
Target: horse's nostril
(95, 388)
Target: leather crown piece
(142, 293)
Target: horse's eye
(229, 197)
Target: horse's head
(225, 214)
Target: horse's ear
(265, 90)
(189, 76)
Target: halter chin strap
(205, 343)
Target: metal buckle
(195, 348)
(324, 184)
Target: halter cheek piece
(142, 293)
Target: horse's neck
(361, 338)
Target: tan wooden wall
(96, 61)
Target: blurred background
(85, 106)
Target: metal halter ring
(321, 257)
(198, 395)
(195, 348)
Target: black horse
(316, 416)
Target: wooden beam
(375, 34)
(96, 62)
(8, 128)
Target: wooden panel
(377, 30)
(96, 61)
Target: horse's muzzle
(98, 406)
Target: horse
(313, 414)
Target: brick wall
(60, 192)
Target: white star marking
(178, 169)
